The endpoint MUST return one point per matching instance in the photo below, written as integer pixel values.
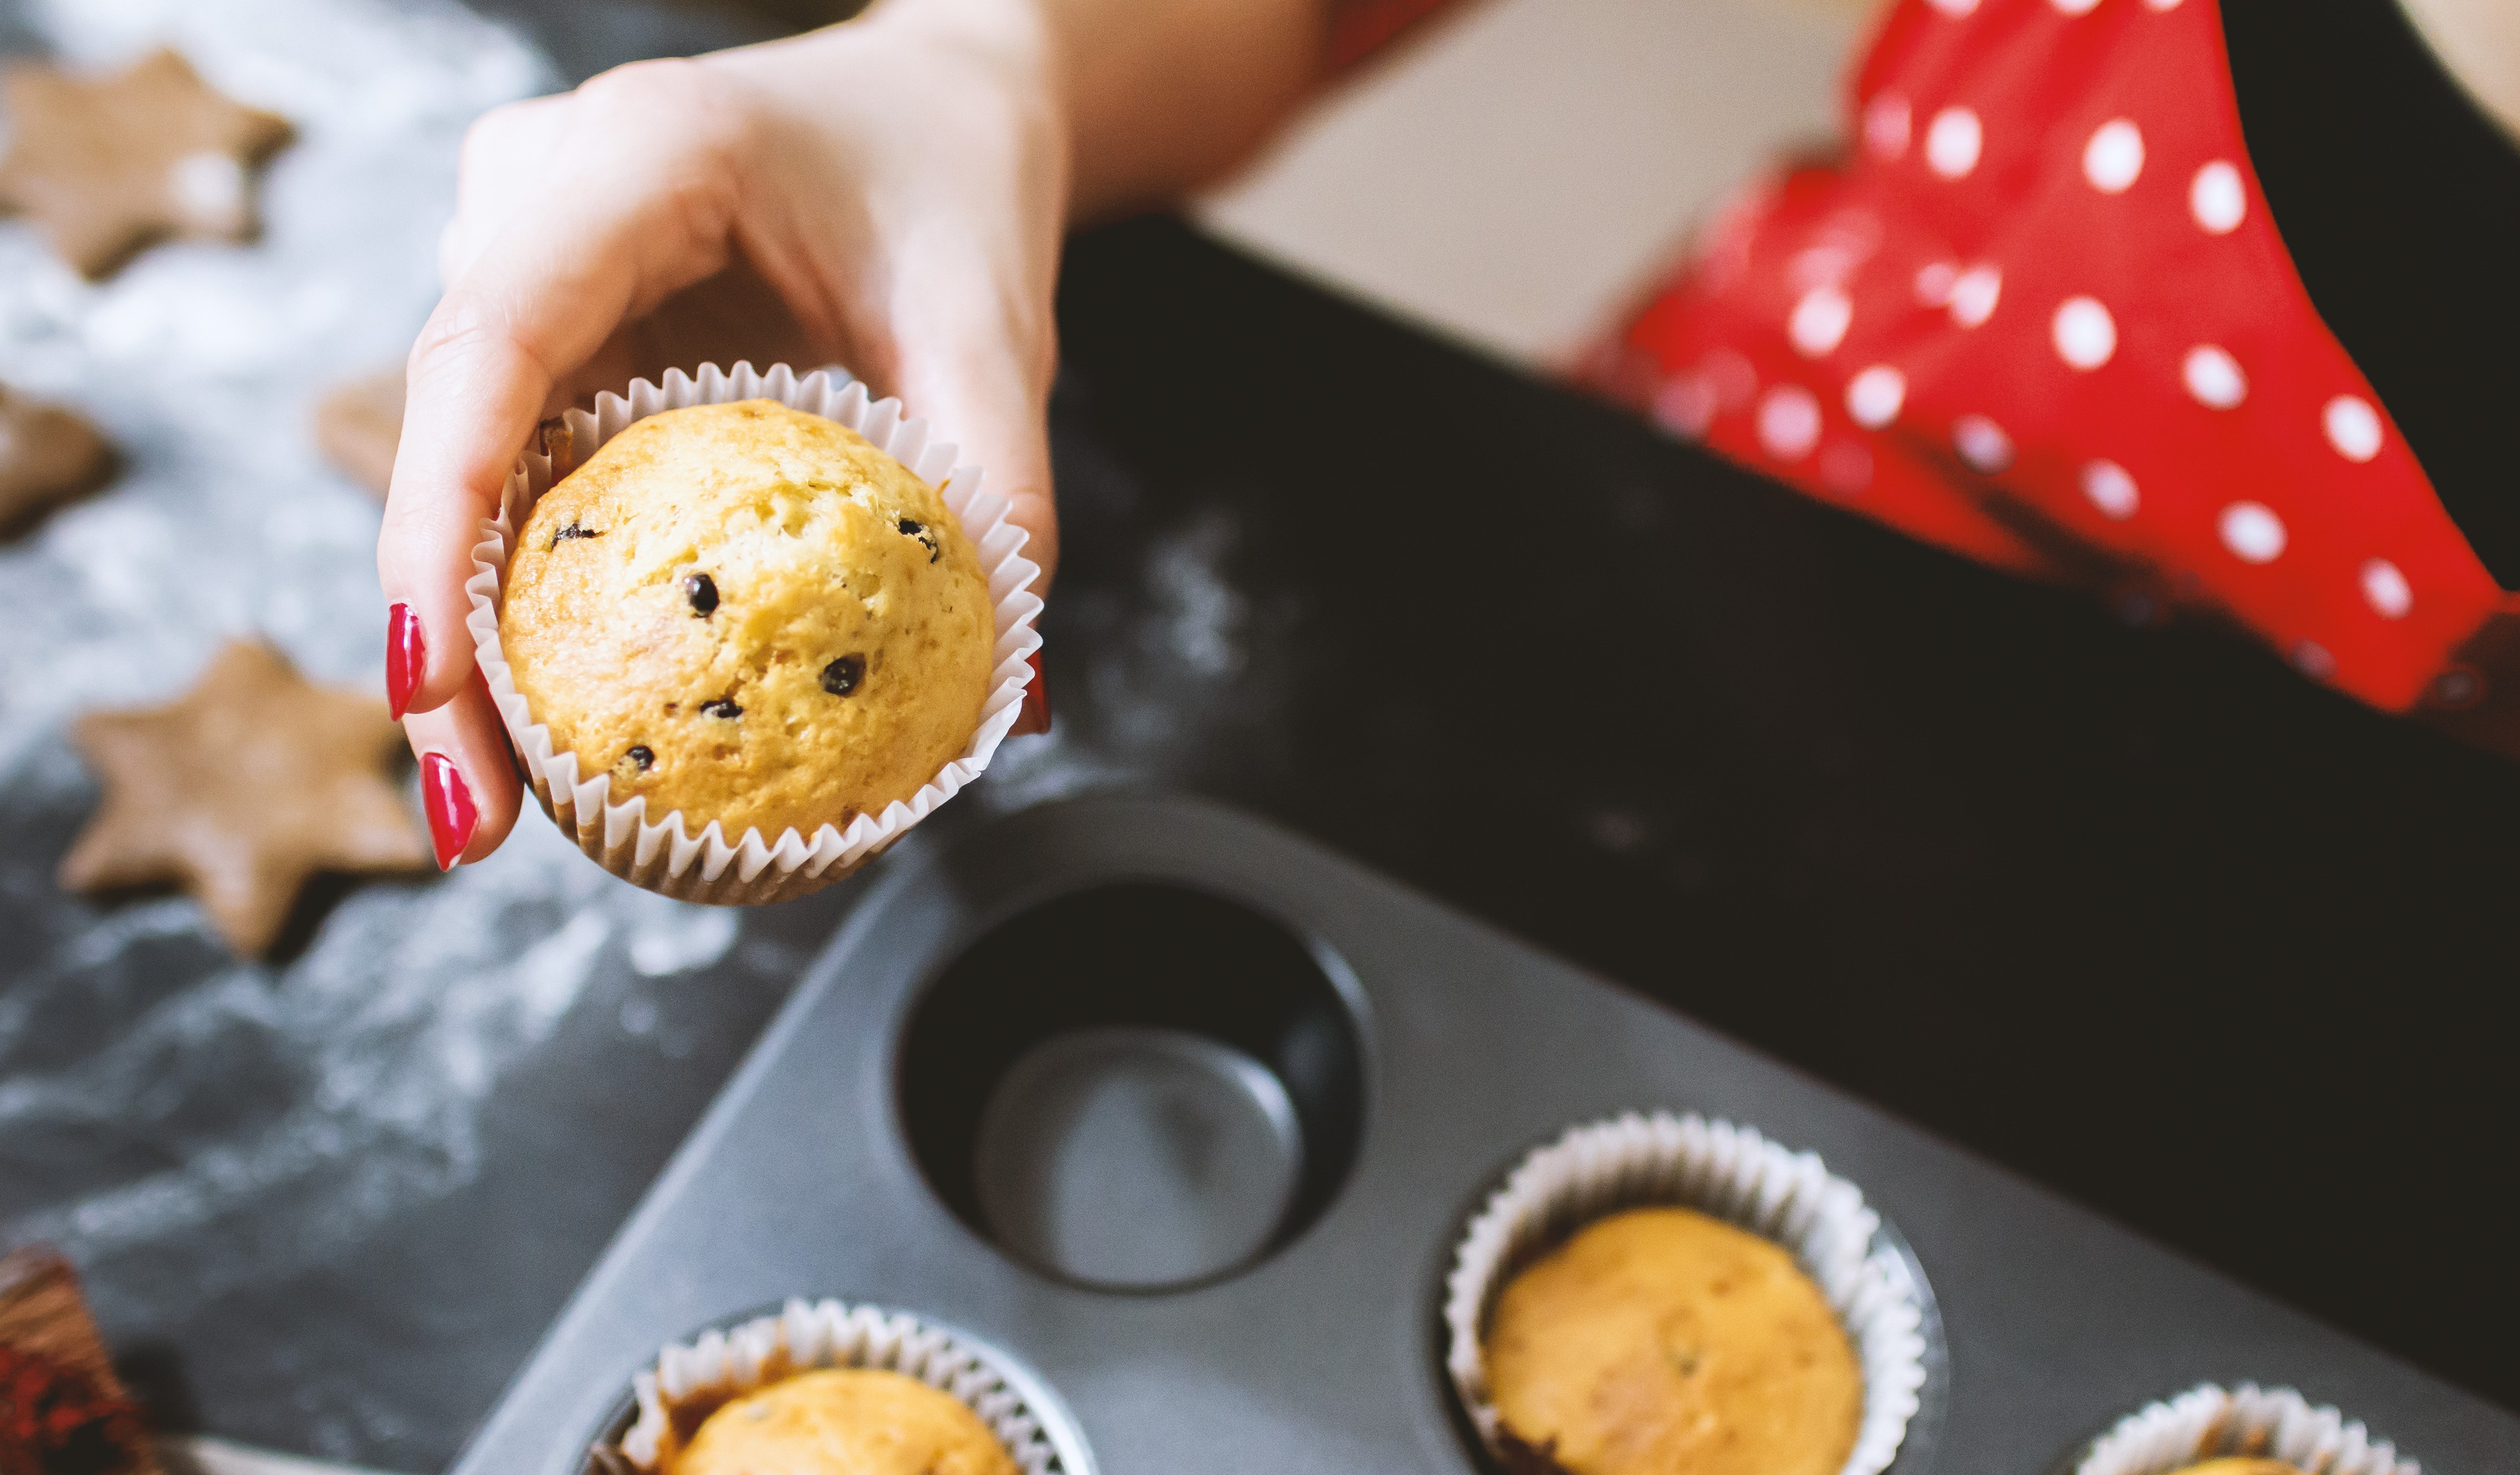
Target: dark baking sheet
(1325, 1355)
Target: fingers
(637, 203)
(506, 159)
(971, 381)
(468, 781)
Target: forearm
(1152, 96)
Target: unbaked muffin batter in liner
(665, 855)
(1727, 1171)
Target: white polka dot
(1820, 322)
(1686, 406)
(2114, 158)
(2110, 489)
(2386, 588)
(1983, 444)
(1886, 124)
(2252, 533)
(1788, 422)
(210, 190)
(2086, 334)
(2214, 377)
(1957, 9)
(2218, 198)
(1934, 280)
(1873, 397)
(2352, 426)
(1952, 143)
(2310, 659)
(2076, 6)
(1974, 293)
(1846, 467)
(2162, 5)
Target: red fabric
(2043, 317)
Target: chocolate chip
(926, 539)
(723, 706)
(841, 677)
(643, 755)
(575, 530)
(701, 590)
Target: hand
(887, 195)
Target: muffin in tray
(826, 1388)
(1660, 1340)
(2240, 1430)
(1669, 1295)
(751, 616)
(843, 1421)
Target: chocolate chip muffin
(1659, 1341)
(752, 615)
(843, 1421)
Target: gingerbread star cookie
(106, 165)
(48, 455)
(240, 790)
(62, 1407)
(358, 427)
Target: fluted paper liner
(2208, 1422)
(665, 855)
(694, 1378)
(1732, 1174)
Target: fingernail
(448, 800)
(1035, 716)
(406, 659)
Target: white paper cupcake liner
(2208, 1421)
(1735, 1174)
(665, 855)
(721, 1364)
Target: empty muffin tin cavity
(1140, 1086)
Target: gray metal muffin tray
(868, 1149)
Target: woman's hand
(887, 195)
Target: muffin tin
(1184, 1116)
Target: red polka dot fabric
(2040, 316)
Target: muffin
(843, 1421)
(751, 616)
(2240, 1430)
(1661, 1340)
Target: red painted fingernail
(448, 800)
(1035, 716)
(406, 659)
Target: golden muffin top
(1659, 1341)
(843, 1421)
(2241, 1464)
(752, 615)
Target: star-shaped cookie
(358, 427)
(106, 165)
(48, 455)
(242, 789)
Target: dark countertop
(2139, 913)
